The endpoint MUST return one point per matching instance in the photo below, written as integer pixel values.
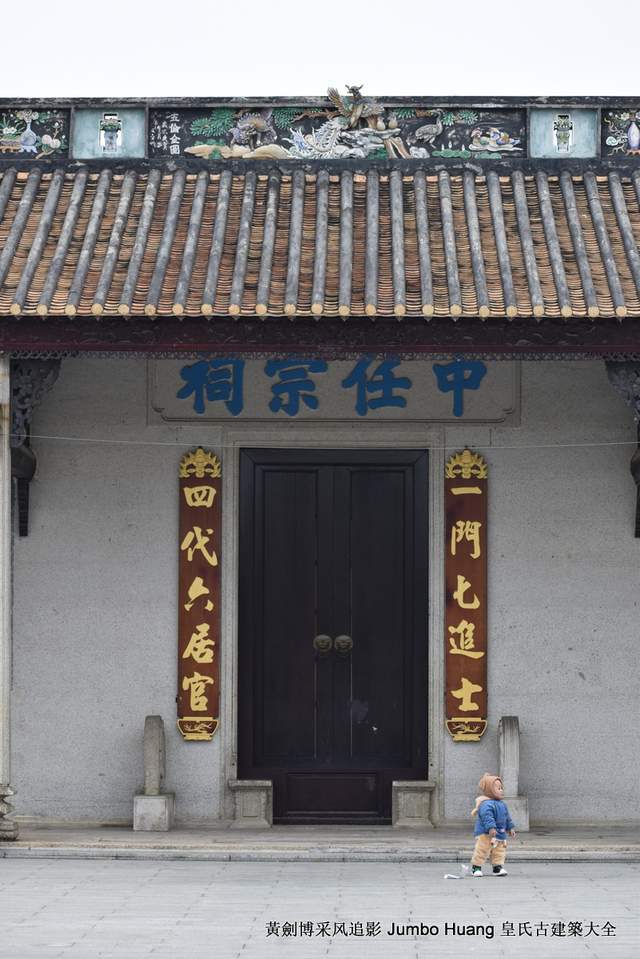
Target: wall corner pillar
(8, 827)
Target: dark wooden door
(332, 642)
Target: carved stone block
(153, 813)
(253, 803)
(411, 803)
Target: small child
(492, 826)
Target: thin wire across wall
(180, 442)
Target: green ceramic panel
(563, 132)
(109, 132)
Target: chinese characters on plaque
(466, 595)
(367, 389)
(199, 595)
(297, 385)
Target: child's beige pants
(483, 848)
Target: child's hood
(487, 790)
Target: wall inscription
(466, 595)
(199, 595)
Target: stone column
(8, 828)
(509, 770)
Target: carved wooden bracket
(624, 376)
(30, 380)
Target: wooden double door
(332, 629)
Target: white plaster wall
(564, 587)
(95, 598)
(95, 602)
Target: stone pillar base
(153, 813)
(519, 809)
(411, 803)
(253, 803)
(8, 828)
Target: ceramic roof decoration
(341, 208)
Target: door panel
(378, 622)
(333, 543)
(290, 549)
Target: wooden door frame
(409, 758)
(230, 441)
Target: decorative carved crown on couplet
(200, 463)
(466, 465)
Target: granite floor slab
(106, 909)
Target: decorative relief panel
(356, 126)
(33, 134)
(621, 132)
(467, 133)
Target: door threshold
(337, 820)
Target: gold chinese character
(463, 490)
(196, 590)
(464, 694)
(200, 646)
(200, 543)
(199, 495)
(465, 645)
(197, 685)
(469, 531)
(463, 586)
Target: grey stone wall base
(519, 809)
(153, 813)
(411, 803)
(253, 803)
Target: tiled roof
(327, 242)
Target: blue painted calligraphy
(214, 380)
(458, 376)
(382, 381)
(294, 384)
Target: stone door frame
(364, 436)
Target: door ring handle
(343, 644)
(322, 643)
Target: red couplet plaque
(199, 595)
(466, 595)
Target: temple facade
(317, 426)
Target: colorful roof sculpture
(499, 211)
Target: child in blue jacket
(492, 826)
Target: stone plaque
(366, 389)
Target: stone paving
(85, 909)
(319, 843)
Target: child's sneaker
(500, 871)
(476, 870)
